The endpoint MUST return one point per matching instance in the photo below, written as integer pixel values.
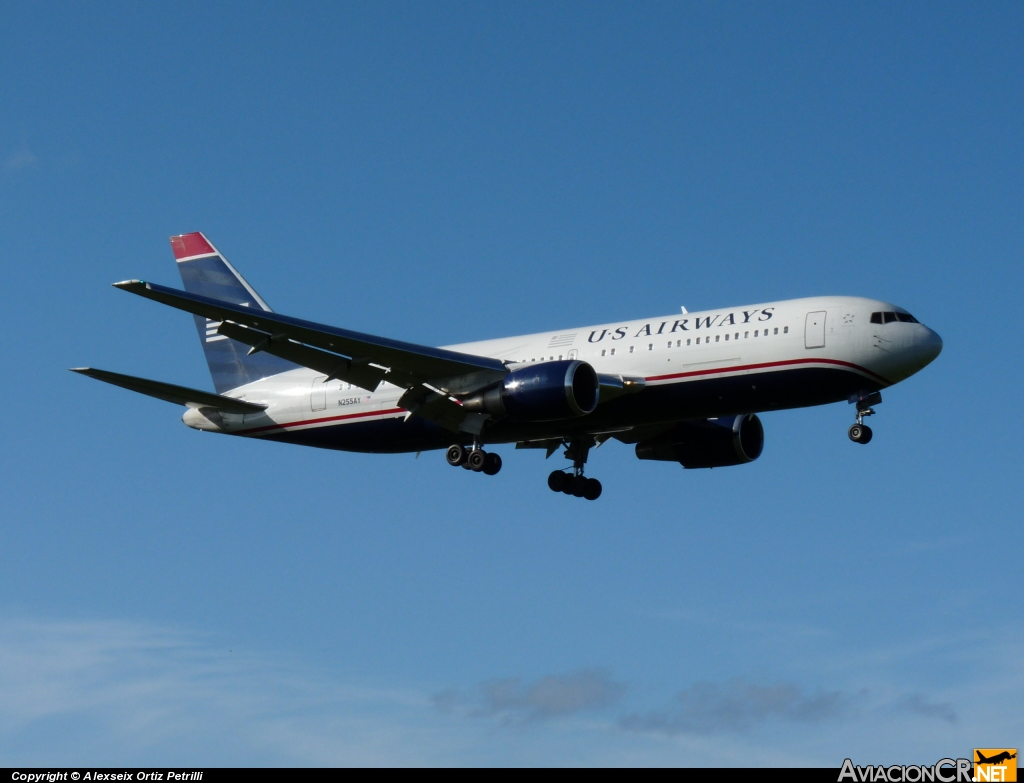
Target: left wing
(430, 375)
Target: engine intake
(712, 443)
(546, 391)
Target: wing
(182, 395)
(430, 375)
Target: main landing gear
(575, 483)
(475, 459)
(861, 432)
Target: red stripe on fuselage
(743, 367)
(304, 422)
(691, 374)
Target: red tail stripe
(188, 245)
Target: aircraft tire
(579, 486)
(556, 480)
(476, 460)
(456, 455)
(860, 433)
(592, 489)
(492, 464)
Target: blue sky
(448, 172)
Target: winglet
(131, 285)
(191, 245)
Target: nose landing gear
(861, 432)
(475, 459)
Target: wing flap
(333, 365)
(182, 395)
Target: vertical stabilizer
(206, 272)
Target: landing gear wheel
(592, 489)
(860, 433)
(476, 460)
(456, 455)
(579, 486)
(556, 480)
(492, 464)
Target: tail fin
(206, 272)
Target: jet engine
(546, 391)
(711, 443)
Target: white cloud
(117, 692)
(708, 708)
(553, 696)
(114, 693)
(20, 160)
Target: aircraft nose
(928, 346)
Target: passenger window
(755, 333)
(785, 330)
(602, 351)
(559, 357)
(746, 335)
(889, 317)
(718, 337)
(876, 318)
(727, 337)
(650, 346)
(687, 340)
(776, 330)
(698, 341)
(613, 351)
(631, 349)
(670, 344)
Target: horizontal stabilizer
(182, 395)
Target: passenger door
(318, 394)
(814, 330)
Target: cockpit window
(888, 318)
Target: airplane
(683, 388)
(996, 759)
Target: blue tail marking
(206, 272)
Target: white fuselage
(688, 351)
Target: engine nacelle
(713, 443)
(546, 391)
